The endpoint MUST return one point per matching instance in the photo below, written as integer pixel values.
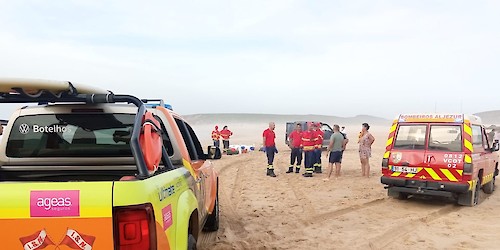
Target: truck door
(408, 151)
(445, 154)
(328, 131)
(197, 161)
(204, 169)
(489, 155)
(480, 155)
(290, 126)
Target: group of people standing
(225, 134)
(308, 144)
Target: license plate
(402, 169)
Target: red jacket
(309, 139)
(215, 135)
(319, 135)
(225, 134)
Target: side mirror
(214, 153)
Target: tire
(191, 242)
(470, 198)
(396, 194)
(490, 186)
(212, 223)
(402, 196)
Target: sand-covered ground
(351, 212)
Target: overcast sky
(265, 56)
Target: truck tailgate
(56, 215)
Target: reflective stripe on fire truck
(390, 141)
(487, 178)
(472, 184)
(468, 142)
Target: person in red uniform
(216, 136)
(317, 151)
(268, 137)
(225, 134)
(295, 139)
(308, 145)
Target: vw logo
(24, 128)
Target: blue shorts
(335, 156)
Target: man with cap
(216, 136)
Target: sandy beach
(351, 212)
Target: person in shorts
(336, 149)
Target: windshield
(411, 137)
(446, 138)
(71, 135)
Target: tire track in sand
(230, 224)
(396, 232)
(350, 209)
(304, 202)
(228, 207)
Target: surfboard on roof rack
(36, 87)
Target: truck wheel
(490, 186)
(396, 194)
(212, 223)
(191, 242)
(402, 196)
(470, 198)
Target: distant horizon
(297, 114)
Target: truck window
(477, 136)
(71, 135)
(166, 140)
(187, 139)
(196, 142)
(445, 138)
(411, 137)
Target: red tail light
(134, 227)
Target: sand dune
(351, 212)
(490, 117)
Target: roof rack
(159, 102)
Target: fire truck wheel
(397, 195)
(490, 186)
(470, 198)
(402, 196)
